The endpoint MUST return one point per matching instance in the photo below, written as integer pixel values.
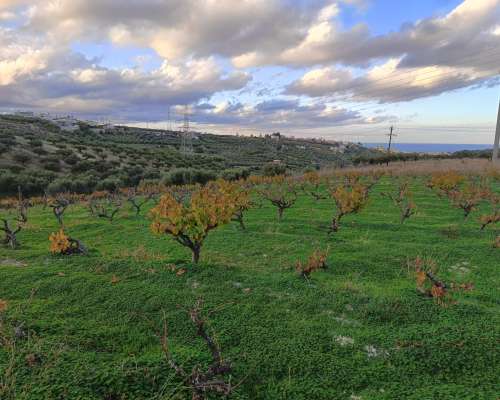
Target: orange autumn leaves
(349, 199)
(3, 305)
(62, 244)
(59, 242)
(429, 285)
(209, 207)
(190, 221)
(315, 262)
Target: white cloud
(194, 37)
(279, 113)
(388, 82)
(58, 79)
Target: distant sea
(431, 147)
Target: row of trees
(466, 193)
(189, 213)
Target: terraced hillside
(36, 154)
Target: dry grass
(469, 166)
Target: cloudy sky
(345, 69)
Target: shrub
(467, 197)
(108, 184)
(85, 184)
(187, 176)
(8, 141)
(62, 244)
(53, 166)
(39, 151)
(102, 166)
(82, 166)
(348, 200)
(36, 143)
(242, 203)
(403, 200)
(429, 285)
(71, 159)
(316, 261)
(493, 217)
(445, 182)
(189, 222)
(313, 185)
(64, 152)
(21, 157)
(281, 192)
(32, 182)
(235, 174)
(274, 169)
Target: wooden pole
(391, 134)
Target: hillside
(37, 154)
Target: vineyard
(368, 283)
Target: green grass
(97, 340)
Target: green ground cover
(357, 330)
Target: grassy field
(357, 330)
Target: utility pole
(497, 138)
(391, 135)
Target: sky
(336, 69)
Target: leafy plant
(445, 182)
(62, 244)
(467, 197)
(348, 200)
(313, 186)
(316, 261)
(429, 285)
(494, 216)
(281, 192)
(242, 203)
(190, 221)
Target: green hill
(36, 154)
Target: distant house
(26, 114)
(100, 128)
(67, 123)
